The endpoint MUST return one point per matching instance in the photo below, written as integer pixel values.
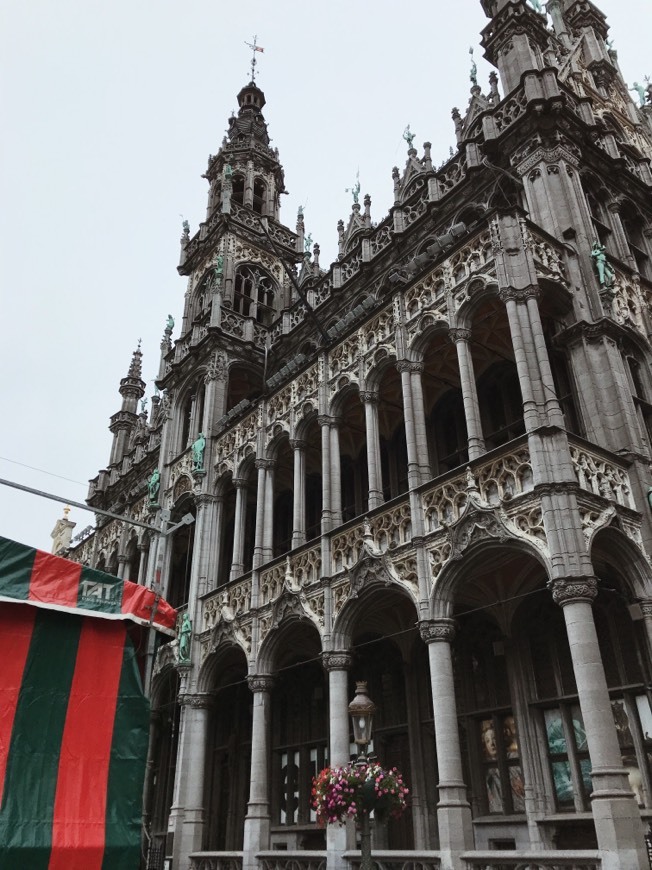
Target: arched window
(448, 428)
(254, 294)
(260, 194)
(237, 189)
(192, 414)
(598, 212)
(632, 222)
(501, 405)
(641, 393)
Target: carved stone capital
(573, 589)
(368, 397)
(406, 365)
(204, 499)
(200, 701)
(521, 294)
(646, 606)
(298, 444)
(325, 420)
(267, 464)
(339, 660)
(433, 630)
(261, 683)
(458, 334)
(240, 482)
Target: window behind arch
(260, 192)
(598, 212)
(632, 223)
(501, 405)
(254, 294)
(237, 189)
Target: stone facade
(425, 466)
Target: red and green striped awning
(73, 717)
(59, 584)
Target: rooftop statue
(536, 5)
(605, 270)
(409, 137)
(355, 190)
(308, 243)
(169, 324)
(473, 75)
(186, 228)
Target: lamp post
(361, 710)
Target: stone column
(189, 832)
(268, 519)
(551, 402)
(453, 809)
(299, 494)
(419, 411)
(414, 466)
(237, 562)
(337, 665)
(122, 566)
(261, 467)
(622, 245)
(646, 607)
(335, 473)
(616, 815)
(475, 438)
(325, 423)
(143, 549)
(257, 821)
(513, 300)
(374, 468)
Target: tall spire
(132, 388)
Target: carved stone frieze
(337, 661)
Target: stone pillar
(476, 445)
(237, 562)
(261, 467)
(299, 494)
(325, 423)
(453, 809)
(374, 468)
(514, 300)
(337, 665)
(550, 400)
(420, 430)
(122, 566)
(414, 466)
(216, 542)
(335, 473)
(268, 519)
(646, 607)
(257, 821)
(189, 832)
(143, 549)
(616, 815)
(623, 251)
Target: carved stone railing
(299, 860)
(216, 861)
(386, 860)
(532, 860)
(548, 257)
(601, 476)
(235, 596)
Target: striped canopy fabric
(73, 717)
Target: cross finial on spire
(254, 48)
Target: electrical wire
(43, 471)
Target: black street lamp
(361, 710)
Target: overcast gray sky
(109, 112)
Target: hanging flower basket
(341, 793)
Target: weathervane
(254, 48)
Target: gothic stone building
(425, 466)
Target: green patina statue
(473, 75)
(640, 90)
(219, 265)
(185, 634)
(408, 136)
(355, 190)
(153, 486)
(536, 5)
(198, 448)
(228, 171)
(169, 324)
(186, 228)
(307, 244)
(603, 267)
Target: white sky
(109, 112)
